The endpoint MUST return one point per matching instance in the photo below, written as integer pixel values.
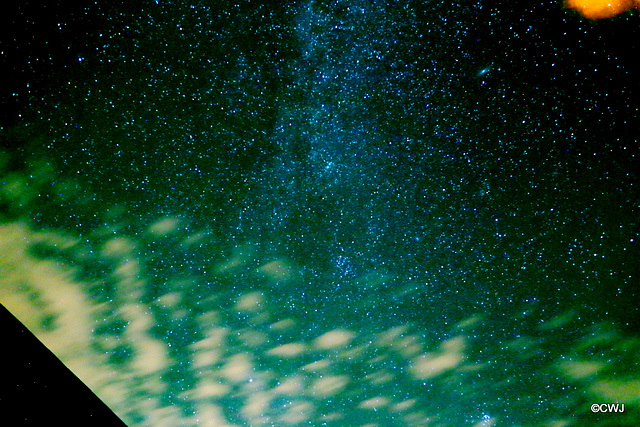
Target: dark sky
(487, 152)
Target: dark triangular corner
(36, 389)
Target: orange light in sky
(597, 9)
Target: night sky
(482, 158)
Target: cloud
(599, 9)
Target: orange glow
(597, 9)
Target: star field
(360, 165)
